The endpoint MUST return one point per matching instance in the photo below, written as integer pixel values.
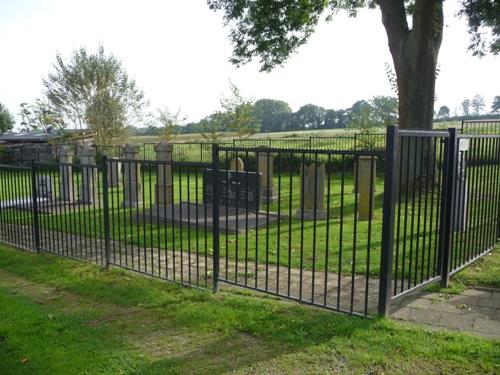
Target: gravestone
(366, 188)
(89, 175)
(164, 181)
(132, 189)
(236, 189)
(44, 187)
(312, 192)
(66, 174)
(237, 165)
(114, 173)
(265, 167)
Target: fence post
(390, 186)
(105, 203)
(447, 203)
(34, 206)
(215, 215)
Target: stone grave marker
(132, 189)
(237, 165)
(44, 187)
(66, 174)
(265, 167)
(164, 182)
(89, 175)
(312, 204)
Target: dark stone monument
(236, 189)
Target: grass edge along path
(62, 316)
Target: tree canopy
(6, 119)
(273, 30)
(93, 90)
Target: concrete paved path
(474, 311)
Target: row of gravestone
(237, 187)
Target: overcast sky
(178, 51)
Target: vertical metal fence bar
(390, 183)
(448, 201)
(34, 206)
(215, 216)
(105, 203)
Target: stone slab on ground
(194, 215)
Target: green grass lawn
(59, 316)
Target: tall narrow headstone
(237, 165)
(66, 174)
(114, 173)
(265, 167)
(312, 192)
(366, 179)
(89, 175)
(164, 182)
(132, 188)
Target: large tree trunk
(415, 53)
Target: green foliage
(40, 115)
(308, 116)
(212, 126)
(385, 110)
(483, 15)
(6, 119)
(495, 106)
(465, 107)
(443, 113)
(94, 91)
(478, 104)
(106, 117)
(273, 114)
(169, 123)
(239, 113)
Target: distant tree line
(245, 117)
(470, 108)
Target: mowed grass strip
(59, 316)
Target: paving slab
(475, 311)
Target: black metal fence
(441, 207)
(485, 126)
(342, 229)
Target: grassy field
(286, 135)
(58, 316)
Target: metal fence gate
(441, 207)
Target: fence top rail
(301, 151)
(480, 121)
(339, 136)
(423, 133)
(273, 140)
(57, 164)
(10, 166)
(473, 136)
(161, 162)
